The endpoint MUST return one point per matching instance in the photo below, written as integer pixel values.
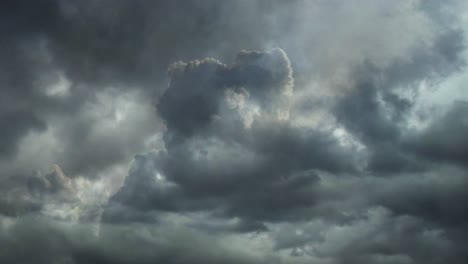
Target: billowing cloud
(213, 161)
(249, 131)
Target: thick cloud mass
(213, 161)
(250, 131)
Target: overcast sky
(233, 132)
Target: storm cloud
(233, 131)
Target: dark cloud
(238, 172)
(444, 139)
(15, 125)
(202, 84)
(58, 54)
(345, 145)
(376, 114)
(55, 242)
(431, 200)
(364, 115)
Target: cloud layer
(233, 132)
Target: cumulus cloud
(212, 161)
(233, 132)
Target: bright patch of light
(61, 88)
(345, 139)
(239, 101)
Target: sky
(233, 132)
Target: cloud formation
(233, 132)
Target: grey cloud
(201, 85)
(193, 85)
(444, 139)
(375, 113)
(238, 166)
(213, 162)
(52, 194)
(62, 243)
(14, 126)
(433, 198)
(96, 45)
(404, 218)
